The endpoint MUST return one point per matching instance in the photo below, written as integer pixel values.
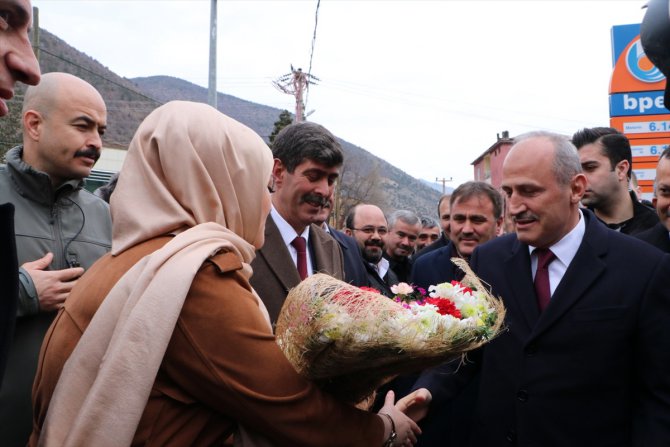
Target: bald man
(61, 229)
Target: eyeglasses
(371, 230)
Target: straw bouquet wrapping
(350, 340)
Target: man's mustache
(316, 199)
(374, 243)
(526, 215)
(88, 153)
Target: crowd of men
(582, 270)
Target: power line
(311, 54)
(42, 49)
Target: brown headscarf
(190, 171)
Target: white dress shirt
(565, 250)
(288, 234)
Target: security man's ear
(32, 121)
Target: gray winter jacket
(68, 221)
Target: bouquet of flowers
(350, 341)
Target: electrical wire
(111, 81)
(73, 262)
(311, 54)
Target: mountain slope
(129, 101)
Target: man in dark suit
(476, 217)
(366, 223)
(659, 235)
(306, 165)
(585, 359)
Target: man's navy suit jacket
(657, 236)
(449, 423)
(593, 368)
(434, 267)
(354, 269)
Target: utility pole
(444, 183)
(36, 33)
(211, 97)
(296, 83)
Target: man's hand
(415, 405)
(53, 286)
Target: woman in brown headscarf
(175, 347)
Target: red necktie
(300, 245)
(542, 289)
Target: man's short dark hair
(429, 222)
(474, 189)
(307, 141)
(615, 145)
(665, 153)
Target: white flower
(444, 290)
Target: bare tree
(360, 182)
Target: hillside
(130, 100)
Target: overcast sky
(426, 85)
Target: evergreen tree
(285, 118)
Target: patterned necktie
(542, 288)
(300, 245)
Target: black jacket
(592, 369)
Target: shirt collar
(382, 267)
(566, 249)
(286, 230)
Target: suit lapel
(583, 271)
(523, 292)
(277, 256)
(327, 254)
(448, 267)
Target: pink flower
(402, 289)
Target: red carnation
(445, 306)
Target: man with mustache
(476, 217)
(61, 229)
(367, 224)
(607, 163)
(307, 161)
(404, 227)
(430, 233)
(659, 235)
(584, 360)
